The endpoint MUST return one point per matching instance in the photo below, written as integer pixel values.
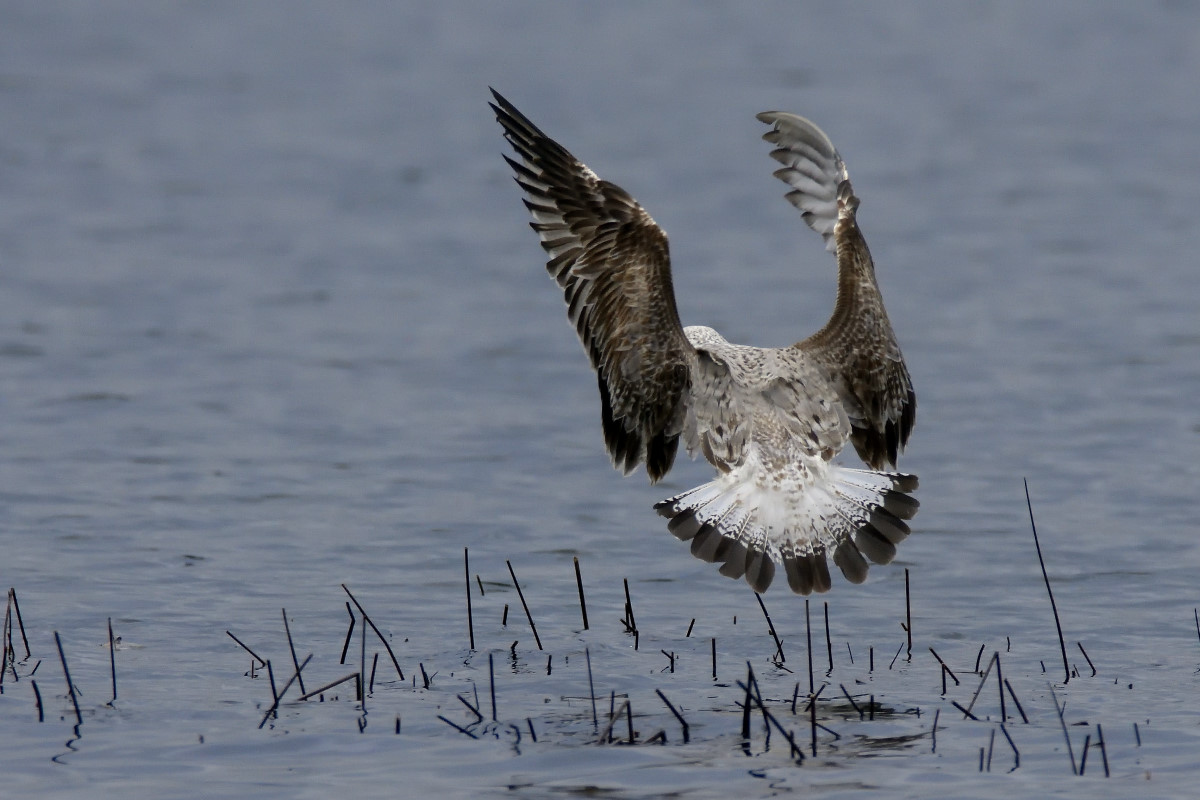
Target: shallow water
(271, 321)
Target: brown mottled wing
(857, 346)
(612, 263)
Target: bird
(769, 420)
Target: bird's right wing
(857, 347)
(612, 262)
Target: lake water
(272, 321)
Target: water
(271, 321)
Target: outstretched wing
(857, 346)
(612, 262)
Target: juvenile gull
(770, 420)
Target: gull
(770, 420)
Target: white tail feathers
(852, 515)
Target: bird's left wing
(612, 262)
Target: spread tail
(852, 515)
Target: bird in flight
(770, 420)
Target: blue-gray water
(271, 320)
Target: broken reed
(524, 605)
(378, 633)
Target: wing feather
(613, 264)
(857, 347)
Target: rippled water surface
(272, 321)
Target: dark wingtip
(874, 545)
(821, 580)
(660, 455)
(799, 574)
(760, 571)
(735, 561)
(850, 561)
(706, 545)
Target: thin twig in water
(12, 594)
(6, 644)
(1062, 643)
(908, 613)
(524, 605)
(1063, 722)
(292, 648)
(812, 719)
(592, 688)
(37, 697)
(828, 641)
(808, 640)
(842, 686)
(944, 667)
(756, 698)
(582, 601)
(362, 667)
(630, 621)
(606, 734)
(1013, 695)
(458, 728)
(256, 656)
(275, 705)
(1000, 688)
(470, 615)
(682, 722)
(67, 676)
(474, 710)
(1103, 749)
(966, 713)
(378, 633)
(349, 634)
(993, 660)
(1085, 655)
(112, 660)
(746, 707)
(328, 686)
(1016, 752)
(492, 685)
(771, 628)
